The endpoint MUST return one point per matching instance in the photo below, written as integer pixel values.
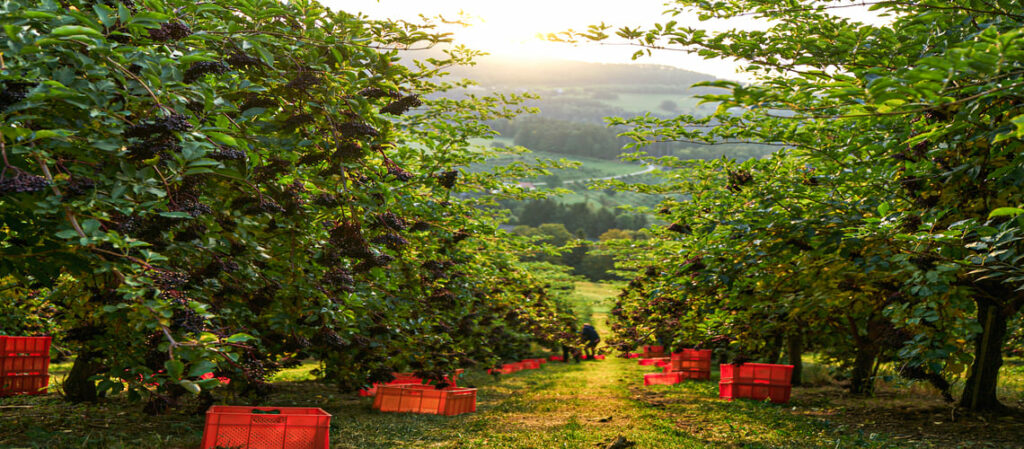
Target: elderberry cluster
(257, 101)
(348, 238)
(447, 178)
(402, 105)
(357, 129)
(240, 60)
(303, 81)
(393, 241)
(392, 221)
(170, 31)
(199, 69)
(192, 207)
(382, 260)
(23, 183)
(738, 179)
(681, 228)
(330, 338)
(326, 200)
(13, 92)
(169, 280)
(163, 126)
(348, 151)
(79, 185)
(228, 154)
(420, 226)
(376, 92)
(399, 173)
(338, 278)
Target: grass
(588, 168)
(641, 103)
(563, 405)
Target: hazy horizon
(508, 30)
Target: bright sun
(511, 28)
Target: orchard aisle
(562, 405)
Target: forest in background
(572, 103)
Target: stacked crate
(758, 381)
(24, 365)
(692, 364)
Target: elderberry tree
(234, 186)
(899, 184)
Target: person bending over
(590, 340)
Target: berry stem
(67, 210)
(141, 83)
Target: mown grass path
(562, 405)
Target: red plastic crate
(24, 365)
(555, 358)
(693, 355)
(778, 394)
(654, 361)
(410, 379)
(244, 428)
(758, 381)
(530, 364)
(757, 372)
(661, 379)
(693, 363)
(653, 352)
(508, 368)
(32, 384)
(633, 355)
(425, 399)
(690, 374)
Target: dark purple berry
(170, 31)
(202, 68)
(402, 105)
(23, 183)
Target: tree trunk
(775, 349)
(77, 385)
(795, 351)
(980, 389)
(861, 381)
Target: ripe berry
(170, 31)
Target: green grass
(588, 167)
(641, 103)
(563, 405)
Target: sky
(509, 28)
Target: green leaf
(239, 338)
(883, 209)
(1006, 211)
(190, 386)
(174, 368)
(75, 30)
(175, 214)
(38, 15)
(67, 234)
(104, 13)
(201, 367)
(189, 59)
(90, 226)
(223, 139)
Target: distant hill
(501, 73)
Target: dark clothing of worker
(591, 339)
